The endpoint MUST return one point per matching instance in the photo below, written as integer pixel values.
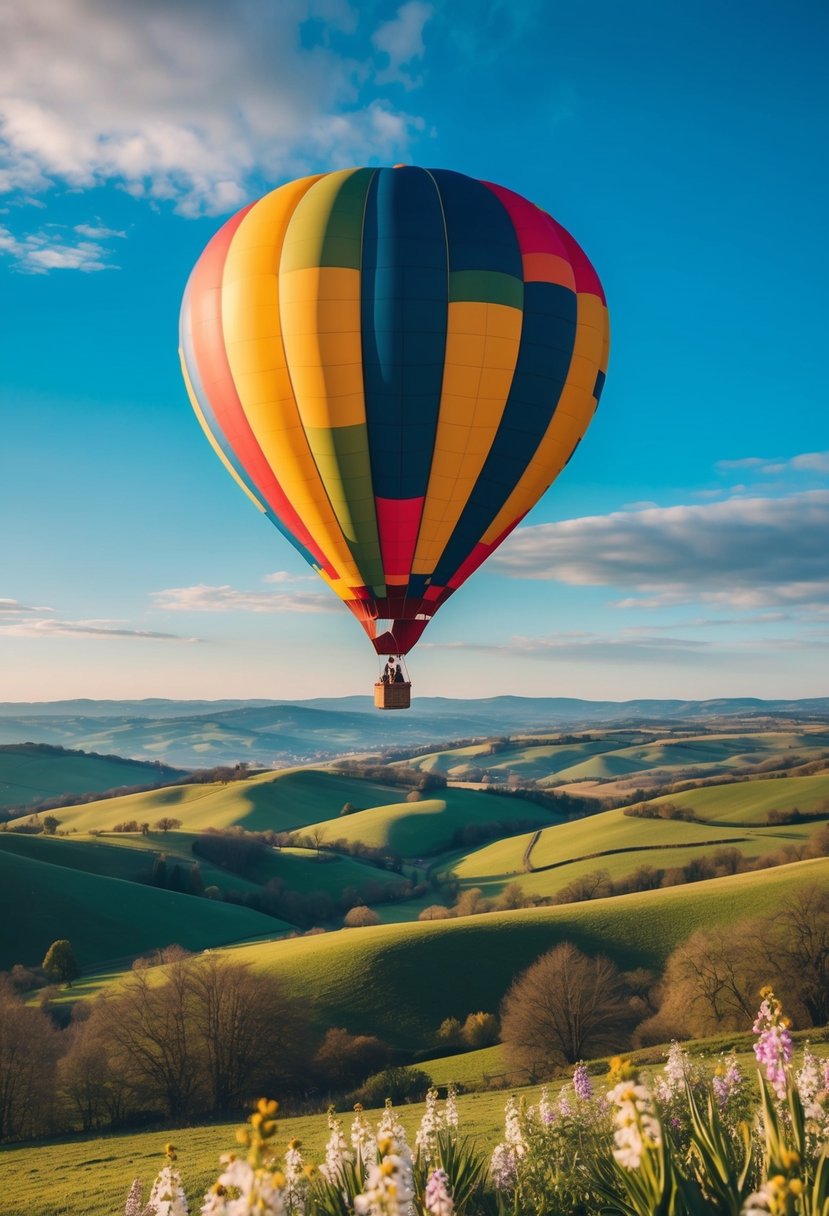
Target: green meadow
(31, 773)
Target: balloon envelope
(394, 364)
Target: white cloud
(401, 40)
(746, 552)
(14, 607)
(54, 248)
(48, 628)
(805, 462)
(203, 598)
(190, 101)
(624, 648)
(97, 232)
(285, 576)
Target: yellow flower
(621, 1069)
(789, 1159)
(243, 1136)
(278, 1179)
(385, 1145)
(294, 1143)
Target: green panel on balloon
(486, 286)
(342, 457)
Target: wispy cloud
(203, 598)
(748, 552)
(805, 462)
(401, 41)
(625, 648)
(193, 102)
(15, 608)
(49, 628)
(56, 248)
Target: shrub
(360, 917)
(397, 1084)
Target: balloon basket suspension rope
(393, 689)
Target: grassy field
(31, 774)
(92, 1176)
(108, 918)
(268, 801)
(749, 802)
(354, 977)
(415, 829)
(608, 755)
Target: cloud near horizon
(203, 598)
(744, 552)
(49, 628)
(192, 102)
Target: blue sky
(684, 550)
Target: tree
(360, 917)
(28, 1057)
(146, 1029)
(50, 824)
(712, 979)
(450, 1033)
(710, 984)
(166, 824)
(434, 912)
(344, 1059)
(480, 1030)
(254, 1035)
(60, 962)
(565, 1007)
(470, 902)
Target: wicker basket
(392, 696)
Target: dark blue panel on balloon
(404, 301)
(544, 354)
(480, 232)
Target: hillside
(31, 773)
(108, 918)
(199, 734)
(355, 977)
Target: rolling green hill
(277, 801)
(751, 801)
(414, 829)
(608, 755)
(31, 773)
(108, 918)
(400, 981)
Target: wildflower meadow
(697, 1137)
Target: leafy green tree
(50, 824)
(60, 962)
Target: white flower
(809, 1081)
(167, 1197)
(388, 1190)
(426, 1140)
(363, 1140)
(450, 1109)
(337, 1153)
(259, 1194)
(636, 1127)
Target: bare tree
(246, 1022)
(146, 1027)
(710, 983)
(29, 1046)
(564, 1007)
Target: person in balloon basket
(388, 672)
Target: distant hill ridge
(198, 734)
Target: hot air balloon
(394, 364)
